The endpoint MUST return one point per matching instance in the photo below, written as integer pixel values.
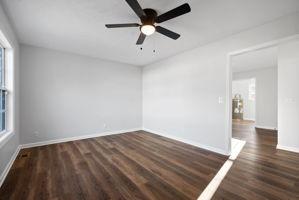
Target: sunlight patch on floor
(237, 146)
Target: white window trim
(3, 87)
(9, 75)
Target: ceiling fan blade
(122, 25)
(141, 39)
(167, 32)
(136, 7)
(178, 11)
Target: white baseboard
(9, 165)
(48, 142)
(266, 127)
(202, 146)
(248, 119)
(286, 148)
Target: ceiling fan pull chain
(154, 44)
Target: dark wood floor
(135, 165)
(260, 171)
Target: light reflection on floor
(237, 146)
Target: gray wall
(266, 95)
(65, 95)
(8, 149)
(288, 96)
(181, 94)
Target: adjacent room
(255, 90)
(148, 99)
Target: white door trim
(229, 73)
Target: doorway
(259, 122)
(254, 93)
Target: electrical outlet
(36, 133)
(104, 125)
(289, 100)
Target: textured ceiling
(78, 25)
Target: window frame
(3, 88)
(9, 73)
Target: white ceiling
(255, 60)
(78, 25)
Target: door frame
(229, 78)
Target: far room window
(251, 88)
(3, 91)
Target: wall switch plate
(220, 100)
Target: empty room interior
(149, 100)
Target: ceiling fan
(149, 18)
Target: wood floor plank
(260, 171)
(140, 165)
(136, 165)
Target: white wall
(266, 95)
(242, 87)
(288, 96)
(181, 93)
(9, 148)
(65, 95)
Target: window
(251, 88)
(6, 90)
(3, 91)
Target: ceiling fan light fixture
(148, 29)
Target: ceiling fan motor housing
(150, 17)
